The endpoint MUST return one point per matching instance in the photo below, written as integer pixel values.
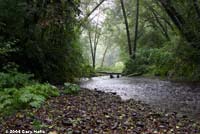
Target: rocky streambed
(165, 96)
(96, 112)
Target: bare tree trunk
(97, 6)
(104, 55)
(127, 27)
(90, 13)
(94, 43)
(91, 49)
(136, 29)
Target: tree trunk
(82, 21)
(104, 55)
(94, 43)
(173, 14)
(127, 27)
(190, 36)
(91, 49)
(136, 29)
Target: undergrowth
(18, 91)
(71, 88)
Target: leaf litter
(96, 112)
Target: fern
(25, 97)
(12, 99)
(71, 88)
(14, 80)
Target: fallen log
(134, 74)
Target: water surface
(162, 95)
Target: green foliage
(71, 88)
(41, 38)
(37, 124)
(134, 67)
(14, 79)
(13, 99)
(172, 61)
(187, 63)
(154, 61)
(87, 70)
(152, 39)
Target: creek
(165, 96)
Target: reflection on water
(162, 95)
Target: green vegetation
(164, 42)
(45, 38)
(14, 79)
(71, 88)
(118, 68)
(169, 61)
(56, 42)
(18, 92)
(39, 44)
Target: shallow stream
(162, 95)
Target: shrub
(14, 79)
(157, 61)
(13, 99)
(71, 88)
(47, 44)
(87, 70)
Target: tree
(127, 28)
(46, 36)
(88, 12)
(136, 28)
(104, 55)
(183, 21)
(93, 41)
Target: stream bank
(96, 112)
(162, 95)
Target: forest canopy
(59, 41)
(156, 38)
